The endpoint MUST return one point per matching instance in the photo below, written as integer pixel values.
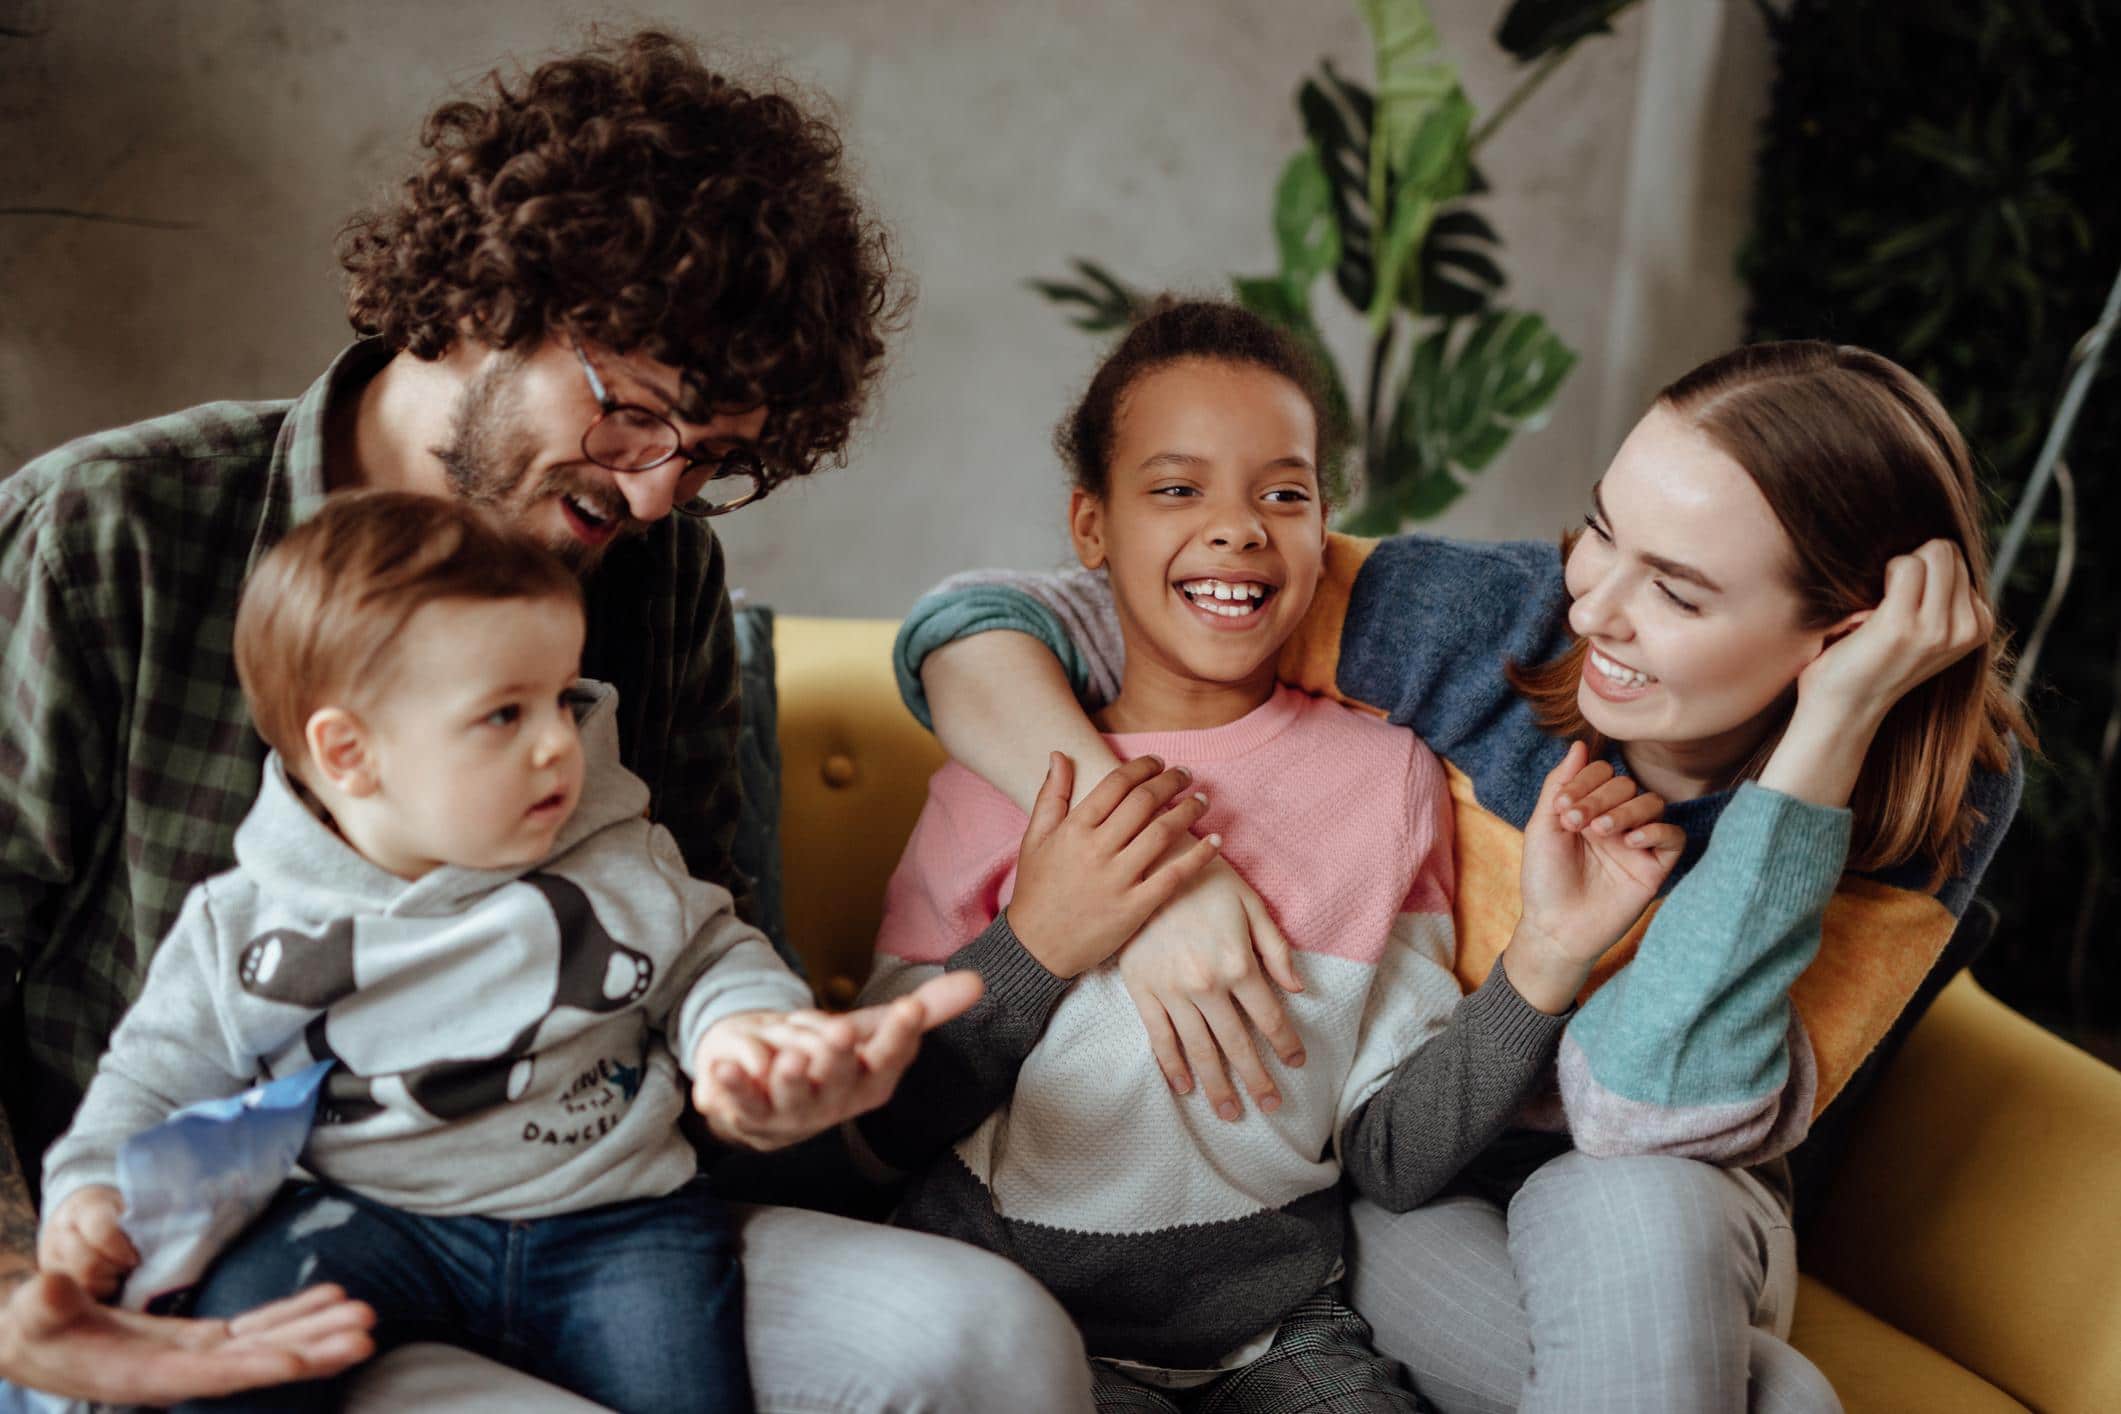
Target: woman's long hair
(1860, 463)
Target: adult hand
(764, 1080)
(83, 1240)
(1930, 618)
(1205, 964)
(1087, 878)
(1595, 853)
(55, 1337)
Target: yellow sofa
(1968, 1257)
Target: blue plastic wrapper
(190, 1185)
(195, 1180)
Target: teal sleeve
(945, 615)
(1688, 1049)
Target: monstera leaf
(1337, 115)
(1460, 403)
(1535, 29)
(1105, 301)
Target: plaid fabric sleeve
(703, 798)
(54, 755)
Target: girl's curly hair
(630, 196)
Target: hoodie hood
(296, 857)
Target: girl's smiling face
(1213, 532)
(1681, 587)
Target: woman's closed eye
(1683, 605)
(1590, 522)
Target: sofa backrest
(854, 774)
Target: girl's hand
(1087, 878)
(1595, 853)
(1198, 970)
(1929, 619)
(83, 1240)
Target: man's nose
(650, 494)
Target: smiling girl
(1774, 618)
(1199, 1253)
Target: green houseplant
(1385, 198)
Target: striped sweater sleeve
(1436, 1076)
(1693, 1049)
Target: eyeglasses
(627, 437)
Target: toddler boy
(448, 887)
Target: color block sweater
(1040, 1127)
(508, 1041)
(1740, 1003)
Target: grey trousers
(1634, 1284)
(838, 1315)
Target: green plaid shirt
(126, 756)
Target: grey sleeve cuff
(1512, 1025)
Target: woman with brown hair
(1774, 622)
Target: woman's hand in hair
(1596, 850)
(1931, 616)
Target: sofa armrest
(1979, 1210)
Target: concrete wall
(996, 139)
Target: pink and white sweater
(1040, 1127)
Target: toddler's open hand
(83, 1240)
(768, 1079)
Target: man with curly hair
(620, 295)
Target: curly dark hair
(630, 196)
(1172, 329)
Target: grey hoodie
(509, 1042)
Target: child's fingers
(946, 998)
(98, 1226)
(1267, 1013)
(1588, 776)
(727, 1089)
(1663, 839)
(1206, 1059)
(1582, 807)
(734, 1040)
(1163, 1041)
(1146, 802)
(1235, 1038)
(1640, 810)
(1165, 881)
(1051, 806)
(833, 1062)
(1160, 835)
(895, 1034)
(788, 1086)
(1564, 772)
(1105, 797)
(1275, 954)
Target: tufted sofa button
(840, 991)
(839, 771)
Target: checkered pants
(1321, 1362)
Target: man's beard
(488, 457)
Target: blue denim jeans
(637, 1306)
